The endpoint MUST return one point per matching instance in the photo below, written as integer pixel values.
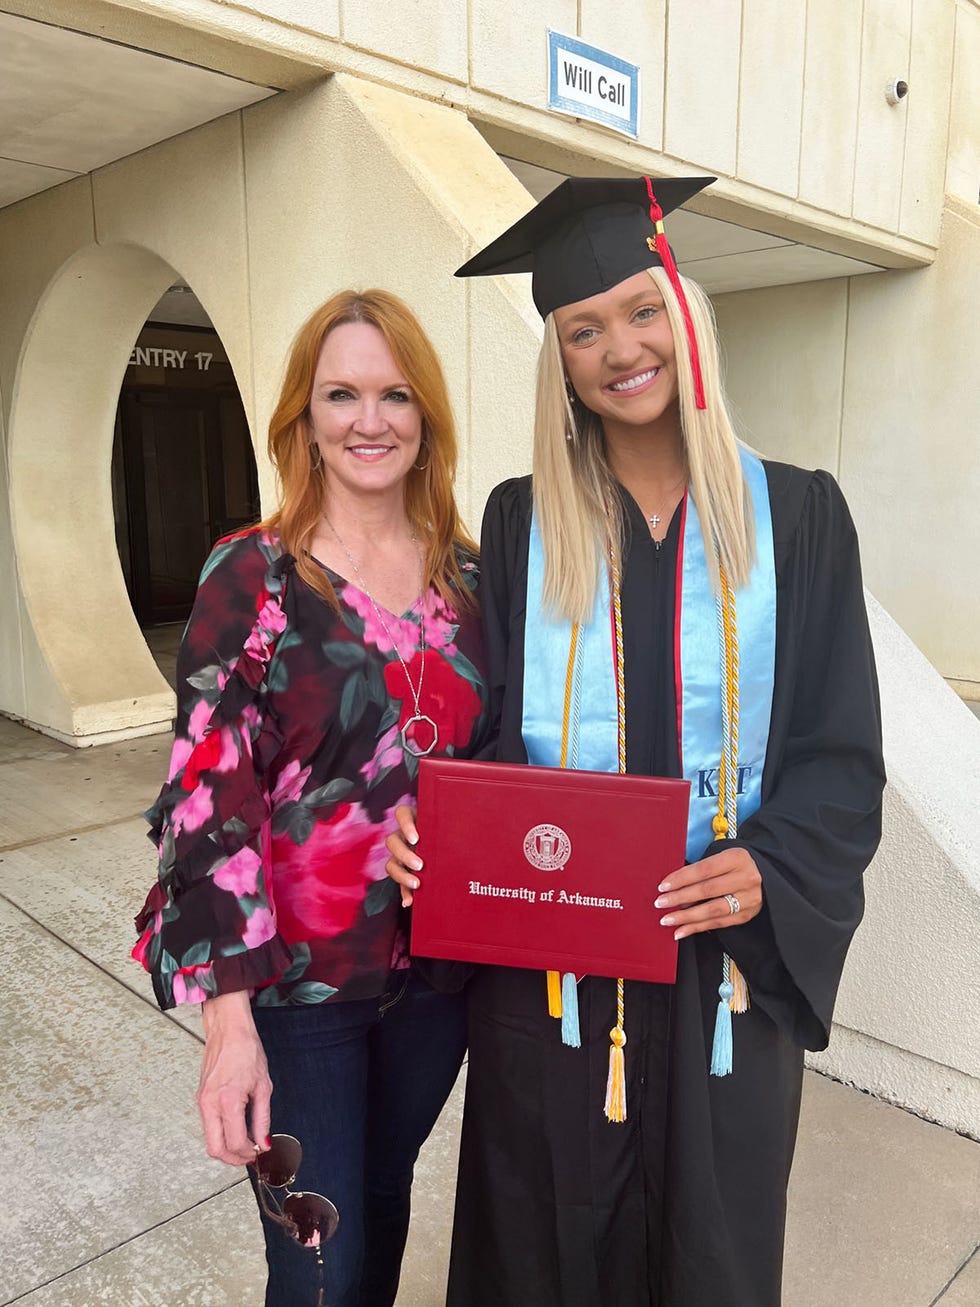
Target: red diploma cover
(545, 868)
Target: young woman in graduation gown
(735, 587)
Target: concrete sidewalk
(111, 1199)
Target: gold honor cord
(615, 1104)
(728, 776)
(731, 697)
(733, 993)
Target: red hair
(429, 498)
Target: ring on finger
(733, 904)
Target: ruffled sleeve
(208, 925)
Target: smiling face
(363, 413)
(618, 351)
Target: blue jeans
(360, 1085)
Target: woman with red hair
(330, 647)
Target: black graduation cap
(587, 236)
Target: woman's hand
(404, 863)
(234, 1075)
(694, 896)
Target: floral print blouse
(286, 770)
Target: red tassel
(670, 267)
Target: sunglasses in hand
(308, 1218)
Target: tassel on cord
(615, 1105)
(616, 1083)
(740, 990)
(670, 267)
(570, 1032)
(554, 994)
(721, 1048)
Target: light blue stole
(697, 669)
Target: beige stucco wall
(783, 99)
(963, 146)
(81, 267)
(876, 379)
(355, 181)
(907, 1024)
(345, 183)
(80, 677)
(388, 190)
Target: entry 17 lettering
(151, 356)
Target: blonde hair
(575, 493)
(429, 499)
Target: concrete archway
(89, 676)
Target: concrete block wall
(875, 379)
(82, 266)
(346, 183)
(787, 96)
(783, 99)
(907, 1024)
(963, 147)
(401, 192)
(363, 180)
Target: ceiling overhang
(71, 103)
(724, 256)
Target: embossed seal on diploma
(547, 847)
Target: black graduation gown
(683, 1205)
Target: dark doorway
(183, 469)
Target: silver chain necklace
(418, 718)
(655, 518)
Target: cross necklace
(655, 518)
